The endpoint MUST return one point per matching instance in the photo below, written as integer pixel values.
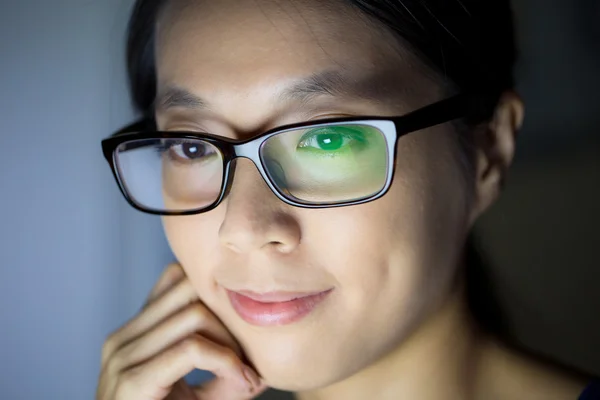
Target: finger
(195, 318)
(173, 300)
(182, 391)
(171, 275)
(212, 391)
(155, 378)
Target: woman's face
(386, 264)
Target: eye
(333, 139)
(188, 150)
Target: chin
(297, 365)
(295, 379)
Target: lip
(275, 308)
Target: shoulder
(510, 374)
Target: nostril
(281, 247)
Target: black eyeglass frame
(456, 107)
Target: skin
(396, 324)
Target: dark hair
(469, 43)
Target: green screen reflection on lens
(331, 163)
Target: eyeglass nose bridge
(251, 151)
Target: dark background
(543, 236)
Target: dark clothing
(592, 392)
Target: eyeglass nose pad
(229, 175)
(273, 169)
(276, 173)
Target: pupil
(193, 150)
(330, 141)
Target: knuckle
(106, 352)
(229, 358)
(129, 380)
(110, 345)
(186, 289)
(192, 345)
(113, 366)
(198, 313)
(118, 360)
(195, 347)
(174, 266)
(172, 271)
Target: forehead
(234, 53)
(276, 38)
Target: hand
(174, 334)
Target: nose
(255, 218)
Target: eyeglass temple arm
(472, 106)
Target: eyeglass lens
(326, 164)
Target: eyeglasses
(326, 163)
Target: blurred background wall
(76, 261)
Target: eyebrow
(175, 96)
(371, 86)
(375, 86)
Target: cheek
(431, 221)
(401, 248)
(195, 243)
(375, 261)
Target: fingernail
(251, 377)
